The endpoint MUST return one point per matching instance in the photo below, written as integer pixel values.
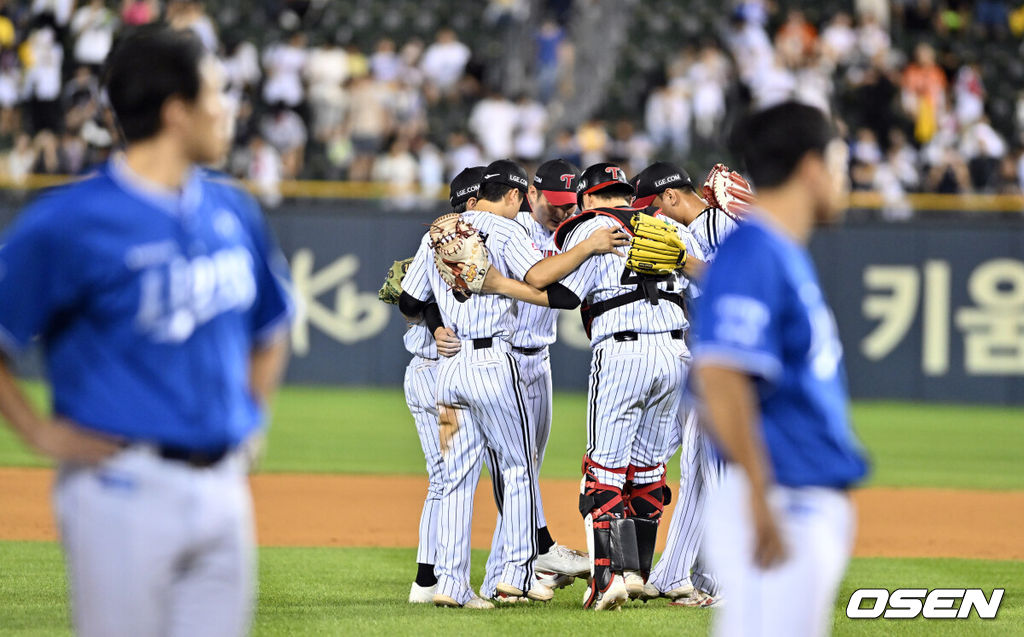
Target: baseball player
(638, 369)
(480, 396)
(670, 188)
(552, 199)
(780, 527)
(158, 298)
(421, 397)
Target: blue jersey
(147, 305)
(762, 312)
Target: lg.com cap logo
(905, 603)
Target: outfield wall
(928, 311)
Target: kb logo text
(906, 603)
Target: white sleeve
(520, 253)
(416, 282)
(583, 279)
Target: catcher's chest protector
(647, 286)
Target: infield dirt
(344, 510)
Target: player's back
(535, 325)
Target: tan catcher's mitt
(656, 249)
(459, 253)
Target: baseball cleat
(650, 592)
(564, 560)
(612, 598)
(679, 592)
(552, 580)
(422, 594)
(537, 593)
(696, 599)
(634, 584)
(474, 603)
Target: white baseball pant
(795, 598)
(156, 547)
(421, 397)
(536, 373)
(481, 404)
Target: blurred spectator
(462, 154)
(72, 153)
(93, 28)
(872, 40)
(796, 38)
(877, 9)
(80, 97)
(707, 80)
(43, 80)
(548, 40)
(531, 127)
(264, 171)
(924, 92)
(326, 70)
(593, 141)
(667, 118)
(284, 63)
(839, 40)
(385, 63)
(992, 17)
(431, 168)
(47, 154)
(773, 85)
(369, 121)
(630, 148)
(21, 159)
(190, 14)
(969, 95)
(399, 170)
(59, 11)
(138, 12)
(750, 46)
(983, 148)
(903, 159)
(566, 147)
(409, 107)
(10, 92)
(283, 129)
(444, 61)
(949, 175)
(493, 121)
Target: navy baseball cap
(465, 185)
(556, 179)
(508, 172)
(655, 179)
(600, 177)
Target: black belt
(628, 335)
(191, 457)
(529, 351)
(482, 343)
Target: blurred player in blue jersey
(780, 530)
(157, 295)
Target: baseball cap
(508, 172)
(556, 179)
(465, 185)
(655, 179)
(600, 177)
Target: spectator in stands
(949, 175)
(992, 17)
(968, 95)
(629, 148)
(796, 38)
(138, 12)
(47, 154)
(385, 63)
(750, 46)
(264, 171)
(399, 170)
(59, 12)
(284, 63)
(903, 159)
(80, 97)
(285, 131)
(93, 28)
(706, 81)
(190, 14)
(983, 149)
(444, 62)
(667, 118)
(531, 128)
(566, 147)
(924, 91)
(241, 67)
(326, 70)
(21, 159)
(10, 92)
(878, 9)
(548, 40)
(431, 168)
(493, 122)
(873, 40)
(43, 80)
(369, 120)
(839, 40)
(462, 154)
(593, 140)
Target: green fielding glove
(656, 248)
(392, 288)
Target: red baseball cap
(557, 180)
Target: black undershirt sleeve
(411, 306)
(561, 297)
(432, 317)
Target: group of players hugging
(481, 298)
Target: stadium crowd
(312, 101)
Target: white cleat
(613, 597)
(696, 599)
(680, 592)
(650, 592)
(552, 580)
(537, 593)
(474, 603)
(563, 560)
(422, 594)
(634, 584)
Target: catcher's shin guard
(645, 504)
(611, 536)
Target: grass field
(332, 591)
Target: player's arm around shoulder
(601, 239)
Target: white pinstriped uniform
(481, 404)
(421, 397)
(635, 386)
(535, 327)
(699, 466)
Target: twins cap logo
(567, 180)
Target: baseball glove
(459, 253)
(392, 288)
(728, 191)
(656, 249)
